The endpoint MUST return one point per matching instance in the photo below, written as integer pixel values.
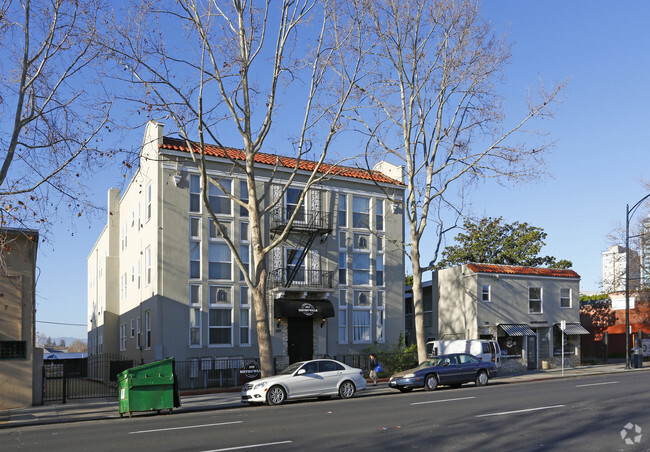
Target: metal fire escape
(305, 228)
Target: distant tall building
(614, 269)
(645, 252)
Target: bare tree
(429, 99)
(220, 73)
(50, 121)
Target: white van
(483, 349)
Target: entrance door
(532, 352)
(301, 339)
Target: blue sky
(597, 166)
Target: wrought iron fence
(94, 376)
(207, 373)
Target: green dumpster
(150, 387)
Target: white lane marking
(182, 428)
(250, 446)
(520, 411)
(444, 400)
(598, 384)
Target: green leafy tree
(490, 241)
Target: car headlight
(409, 376)
(260, 385)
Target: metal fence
(207, 373)
(94, 376)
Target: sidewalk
(96, 409)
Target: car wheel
(347, 389)
(482, 378)
(430, 382)
(276, 395)
(405, 389)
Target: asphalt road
(576, 414)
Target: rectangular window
(361, 326)
(195, 260)
(122, 336)
(379, 215)
(427, 311)
(343, 316)
(13, 350)
(343, 326)
(138, 336)
(195, 327)
(138, 219)
(485, 293)
(535, 300)
(244, 252)
(380, 325)
(360, 269)
(244, 317)
(220, 326)
(195, 228)
(132, 328)
(147, 266)
(380, 270)
(343, 240)
(565, 298)
(343, 211)
(381, 317)
(360, 212)
(292, 198)
(147, 330)
(244, 327)
(243, 196)
(148, 202)
(380, 243)
(137, 271)
(243, 232)
(219, 261)
(195, 193)
(293, 259)
(220, 316)
(219, 201)
(195, 294)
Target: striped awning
(574, 328)
(517, 329)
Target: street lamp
(629, 212)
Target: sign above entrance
(303, 308)
(307, 309)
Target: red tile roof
(176, 144)
(514, 270)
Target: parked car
(320, 378)
(452, 369)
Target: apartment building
(162, 281)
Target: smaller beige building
(20, 361)
(522, 308)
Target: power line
(59, 323)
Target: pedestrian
(373, 366)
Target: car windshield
(291, 368)
(429, 363)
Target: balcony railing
(306, 220)
(303, 280)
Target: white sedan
(320, 378)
